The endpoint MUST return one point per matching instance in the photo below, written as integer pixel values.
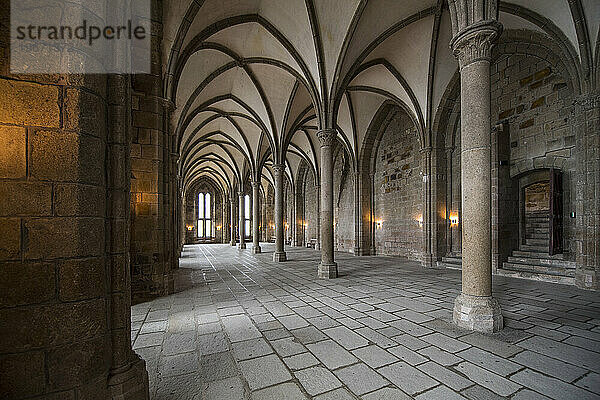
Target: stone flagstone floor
(243, 327)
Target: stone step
(537, 236)
(536, 254)
(538, 242)
(542, 261)
(450, 262)
(565, 280)
(529, 225)
(539, 269)
(534, 248)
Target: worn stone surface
(271, 335)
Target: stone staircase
(532, 260)
(451, 261)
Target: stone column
(279, 254)
(241, 222)
(232, 219)
(318, 244)
(587, 111)
(449, 182)
(428, 218)
(255, 217)
(475, 308)
(327, 267)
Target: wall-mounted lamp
(218, 227)
(453, 218)
(419, 219)
(378, 223)
(190, 227)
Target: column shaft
(255, 217)
(242, 222)
(279, 254)
(475, 308)
(232, 219)
(328, 267)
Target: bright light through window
(204, 216)
(247, 215)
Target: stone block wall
(398, 191)
(343, 202)
(217, 210)
(152, 177)
(64, 191)
(534, 101)
(310, 207)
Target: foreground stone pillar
(327, 267)
(232, 219)
(475, 308)
(241, 222)
(255, 217)
(318, 244)
(279, 254)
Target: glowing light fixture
(378, 223)
(190, 227)
(453, 218)
(419, 219)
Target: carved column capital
(278, 168)
(326, 137)
(475, 42)
(255, 184)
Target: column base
(131, 384)
(242, 246)
(586, 279)
(232, 244)
(256, 250)
(279, 256)
(480, 314)
(327, 271)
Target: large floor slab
(243, 327)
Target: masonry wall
(533, 99)
(343, 202)
(270, 214)
(398, 190)
(64, 187)
(310, 208)
(217, 212)
(152, 256)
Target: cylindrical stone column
(475, 308)
(242, 222)
(232, 219)
(255, 217)
(449, 182)
(327, 267)
(279, 255)
(318, 244)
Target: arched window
(204, 216)
(247, 215)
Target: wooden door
(556, 213)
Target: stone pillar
(475, 308)
(449, 182)
(587, 110)
(318, 244)
(241, 222)
(232, 219)
(428, 206)
(279, 255)
(255, 217)
(327, 267)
